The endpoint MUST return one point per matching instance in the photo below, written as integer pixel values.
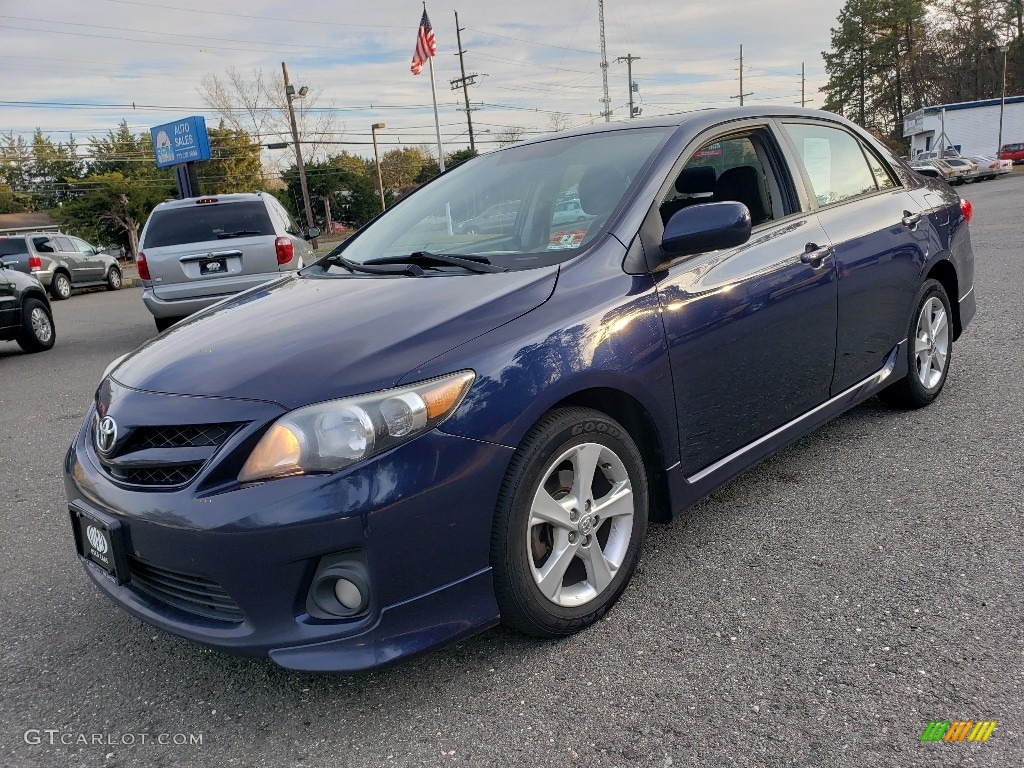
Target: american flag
(426, 45)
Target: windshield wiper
(382, 269)
(471, 263)
(238, 233)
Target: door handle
(815, 255)
(911, 219)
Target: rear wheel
(114, 279)
(60, 287)
(37, 333)
(929, 349)
(571, 518)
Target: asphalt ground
(818, 611)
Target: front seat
(743, 184)
(697, 180)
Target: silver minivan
(197, 251)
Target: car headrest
(600, 189)
(700, 178)
(742, 185)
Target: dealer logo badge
(106, 435)
(96, 540)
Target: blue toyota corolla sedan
(432, 430)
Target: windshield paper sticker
(561, 240)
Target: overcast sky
(535, 57)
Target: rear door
(879, 238)
(9, 314)
(209, 249)
(75, 261)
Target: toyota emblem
(96, 540)
(106, 435)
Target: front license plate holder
(213, 267)
(100, 539)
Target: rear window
(202, 223)
(11, 246)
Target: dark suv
(60, 262)
(25, 315)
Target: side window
(834, 161)
(287, 222)
(82, 246)
(43, 245)
(882, 177)
(64, 245)
(726, 169)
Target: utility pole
(741, 94)
(803, 85)
(327, 212)
(289, 92)
(1002, 101)
(629, 59)
(376, 159)
(604, 65)
(464, 82)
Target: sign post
(181, 144)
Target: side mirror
(706, 227)
(313, 233)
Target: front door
(751, 331)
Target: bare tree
(510, 135)
(558, 121)
(256, 103)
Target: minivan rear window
(202, 223)
(11, 246)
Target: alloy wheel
(580, 524)
(931, 346)
(41, 326)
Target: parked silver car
(197, 251)
(60, 262)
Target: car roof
(234, 197)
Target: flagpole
(437, 120)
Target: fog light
(348, 594)
(340, 588)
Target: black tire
(60, 286)
(114, 279)
(163, 323)
(542, 459)
(911, 391)
(37, 333)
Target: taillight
(284, 250)
(967, 209)
(143, 267)
(34, 263)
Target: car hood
(304, 339)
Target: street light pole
(376, 159)
(289, 92)
(1002, 102)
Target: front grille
(183, 436)
(168, 475)
(186, 592)
(165, 456)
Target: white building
(971, 126)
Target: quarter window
(834, 162)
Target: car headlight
(329, 436)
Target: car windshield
(502, 206)
(201, 223)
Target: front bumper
(420, 515)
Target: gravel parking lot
(818, 611)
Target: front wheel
(929, 349)
(114, 279)
(37, 333)
(571, 519)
